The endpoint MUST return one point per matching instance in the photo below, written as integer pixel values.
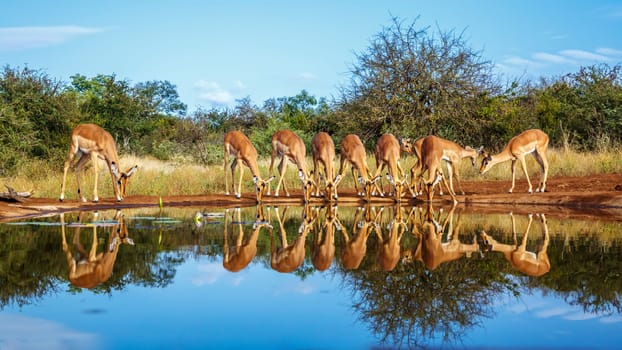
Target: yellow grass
(160, 178)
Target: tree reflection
(413, 305)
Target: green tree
(414, 82)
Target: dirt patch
(590, 197)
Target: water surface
(350, 278)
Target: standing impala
(288, 145)
(431, 157)
(323, 149)
(530, 263)
(92, 142)
(387, 154)
(532, 141)
(452, 154)
(353, 152)
(243, 151)
(410, 147)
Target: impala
(288, 145)
(243, 151)
(410, 147)
(323, 149)
(289, 257)
(387, 153)
(431, 157)
(530, 263)
(323, 248)
(355, 247)
(92, 142)
(452, 154)
(432, 251)
(236, 258)
(88, 270)
(353, 152)
(388, 253)
(532, 141)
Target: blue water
(206, 306)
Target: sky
(216, 52)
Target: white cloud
(306, 76)
(552, 312)
(208, 274)
(609, 52)
(24, 38)
(213, 92)
(611, 319)
(20, 332)
(551, 58)
(583, 55)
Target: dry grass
(159, 178)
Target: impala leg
(513, 167)
(544, 165)
(316, 177)
(523, 246)
(282, 169)
(78, 169)
(95, 178)
(238, 194)
(72, 154)
(524, 167)
(226, 165)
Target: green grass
(159, 178)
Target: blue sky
(218, 51)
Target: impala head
(307, 185)
(122, 178)
(331, 188)
(398, 185)
(487, 158)
(485, 242)
(260, 186)
(406, 145)
(474, 153)
(368, 185)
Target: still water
(309, 278)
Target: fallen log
(13, 195)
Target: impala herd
(91, 142)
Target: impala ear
(131, 171)
(255, 180)
(361, 180)
(374, 180)
(270, 179)
(390, 179)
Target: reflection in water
(88, 270)
(243, 251)
(288, 257)
(530, 263)
(323, 247)
(431, 250)
(388, 248)
(355, 247)
(430, 294)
